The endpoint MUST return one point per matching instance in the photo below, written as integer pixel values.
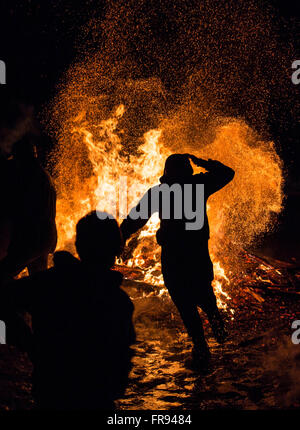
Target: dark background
(38, 42)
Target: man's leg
(190, 317)
(193, 324)
(174, 274)
(209, 305)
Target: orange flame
(92, 157)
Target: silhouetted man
(30, 215)
(81, 322)
(186, 265)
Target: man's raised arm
(218, 175)
(137, 217)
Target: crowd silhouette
(81, 337)
(81, 322)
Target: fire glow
(92, 155)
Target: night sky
(40, 39)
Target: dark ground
(258, 368)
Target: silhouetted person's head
(24, 150)
(177, 166)
(98, 241)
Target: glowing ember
(115, 130)
(237, 214)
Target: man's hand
(193, 158)
(198, 161)
(207, 164)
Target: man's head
(98, 241)
(24, 149)
(177, 166)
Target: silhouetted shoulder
(65, 259)
(114, 282)
(116, 277)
